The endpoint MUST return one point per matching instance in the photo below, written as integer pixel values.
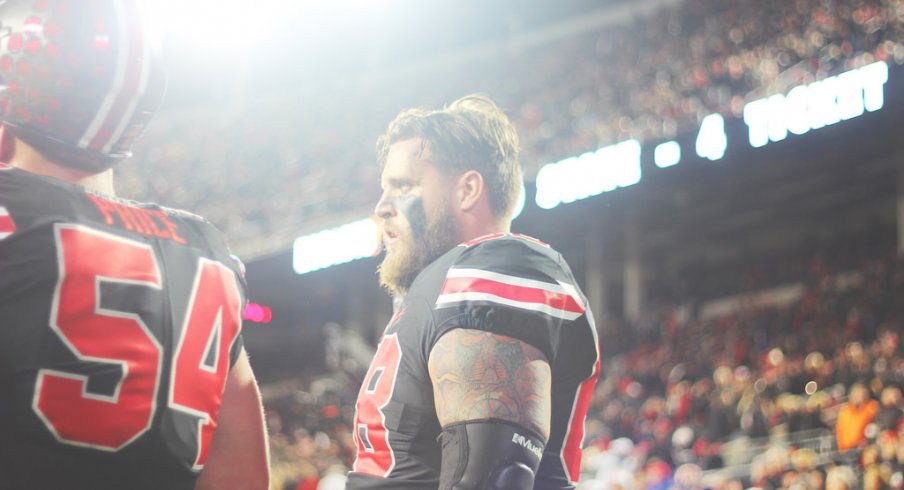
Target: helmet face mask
(79, 79)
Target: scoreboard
(804, 108)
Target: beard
(414, 251)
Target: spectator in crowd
(890, 411)
(854, 417)
(614, 466)
(841, 478)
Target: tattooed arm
(478, 375)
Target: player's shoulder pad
(208, 229)
(512, 286)
(518, 255)
(201, 222)
(513, 271)
(181, 213)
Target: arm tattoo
(479, 375)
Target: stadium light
(335, 246)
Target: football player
(483, 376)
(121, 355)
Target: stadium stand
(650, 77)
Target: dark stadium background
(703, 223)
(702, 230)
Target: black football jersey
(118, 325)
(510, 285)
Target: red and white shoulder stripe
(7, 225)
(485, 238)
(531, 239)
(560, 300)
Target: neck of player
(479, 221)
(28, 159)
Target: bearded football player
(484, 374)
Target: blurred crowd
(803, 395)
(772, 397)
(283, 164)
(311, 442)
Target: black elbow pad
(489, 455)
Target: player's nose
(385, 208)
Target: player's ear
(470, 188)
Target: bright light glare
(667, 154)
(230, 27)
(775, 111)
(875, 76)
(223, 26)
(257, 313)
(817, 105)
(335, 246)
(796, 107)
(712, 140)
(823, 104)
(590, 174)
(549, 175)
(626, 165)
(850, 100)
